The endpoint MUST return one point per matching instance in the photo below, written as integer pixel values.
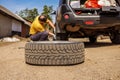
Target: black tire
(54, 53)
(115, 37)
(92, 39)
(62, 36)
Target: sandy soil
(102, 62)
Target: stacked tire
(54, 53)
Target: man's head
(42, 18)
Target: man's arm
(51, 24)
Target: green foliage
(47, 10)
(29, 14)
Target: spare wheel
(54, 53)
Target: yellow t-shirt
(36, 26)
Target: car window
(62, 2)
(75, 3)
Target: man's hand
(53, 35)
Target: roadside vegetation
(30, 14)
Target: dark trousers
(40, 36)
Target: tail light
(90, 22)
(66, 16)
(78, 12)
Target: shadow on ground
(98, 44)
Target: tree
(29, 14)
(47, 10)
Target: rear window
(75, 3)
(62, 2)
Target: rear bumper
(98, 21)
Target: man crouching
(38, 31)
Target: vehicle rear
(80, 18)
(94, 15)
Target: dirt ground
(102, 62)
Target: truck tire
(115, 37)
(54, 53)
(62, 36)
(92, 39)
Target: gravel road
(102, 62)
